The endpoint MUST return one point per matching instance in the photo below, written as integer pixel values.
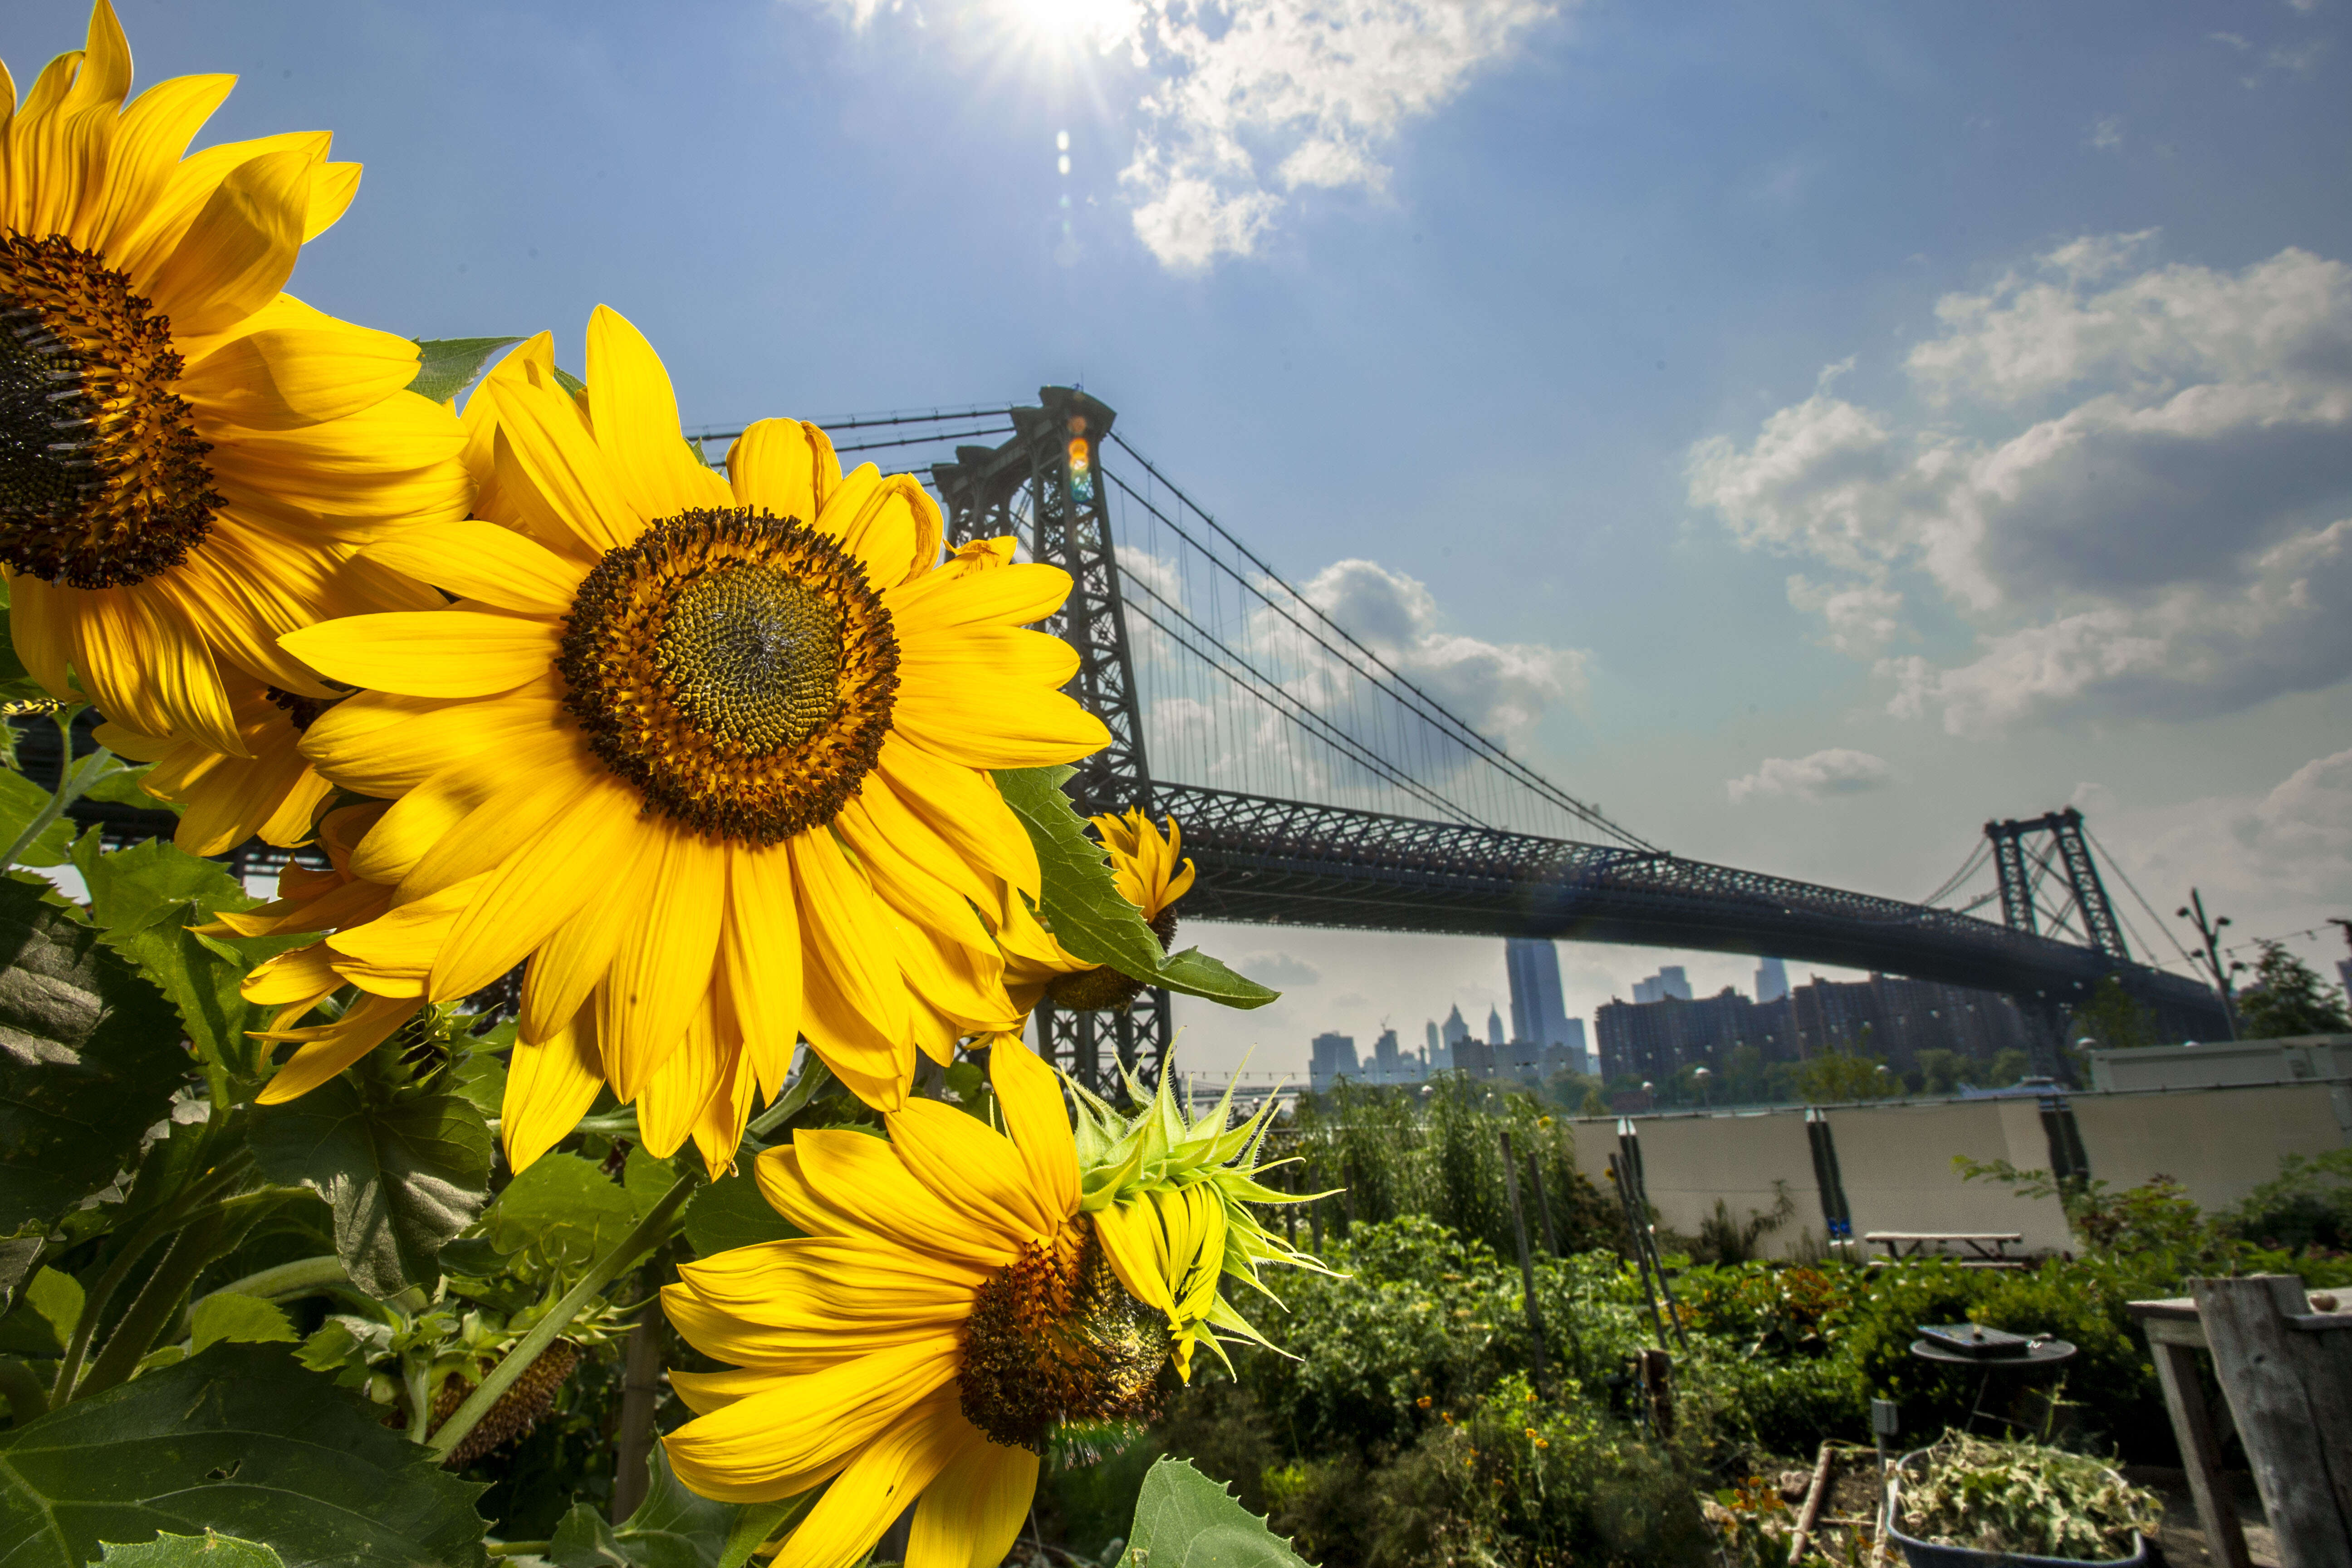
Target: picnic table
(1986, 1248)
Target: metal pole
(1633, 1240)
(1526, 1266)
(1543, 1204)
(2211, 932)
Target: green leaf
(646, 1179)
(143, 899)
(402, 1173)
(564, 1208)
(1184, 1520)
(569, 382)
(21, 800)
(209, 1549)
(446, 366)
(122, 788)
(481, 1077)
(90, 1054)
(1087, 912)
(240, 1440)
(672, 1528)
(43, 1320)
(240, 1319)
(730, 1213)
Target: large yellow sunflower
(1146, 869)
(957, 1293)
(187, 456)
(271, 791)
(707, 749)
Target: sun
(1070, 28)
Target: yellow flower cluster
(706, 754)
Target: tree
(1837, 1076)
(2288, 997)
(2112, 1018)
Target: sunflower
(271, 791)
(1145, 869)
(188, 458)
(709, 751)
(957, 1293)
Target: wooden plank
(2016, 1236)
(1814, 1496)
(2183, 1307)
(2292, 1396)
(2200, 1449)
(2173, 1331)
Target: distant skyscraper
(1455, 1029)
(1537, 1012)
(1449, 1034)
(1771, 980)
(1669, 981)
(1494, 1027)
(1334, 1058)
(1435, 1044)
(1389, 1063)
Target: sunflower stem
(650, 1231)
(74, 780)
(793, 1101)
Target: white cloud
(1279, 970)
(2107, 133)
(1837, 770)
(1500, 689)
(2128, 477)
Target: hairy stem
(650, 1231)
(152, 1309)
(813, 1076)
(302, 1277)
(73, 779)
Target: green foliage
(240, 1439)
(226, 1316)
(44, 1317)
(22, 800)
(1185, 1519)
(2306, 1208)
(210, 1549)
(2288, 997)
(2111, 1019)
(446, 366)
(672, 1528)
(2021, 1497)
(564, 1211)
(403, 1168)
(1085, 909)
(1837, 1076)
(89, 1059)
(730, 1213)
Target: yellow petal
(892, 525)
(403, 941)
(301, 976)
(975, 1167)
(381, 743)
(761, 956)
(1030, 1096)
(332, 186)
(1011, 727)
(329, 1048)
(854, 1003)
(567, 969)
(431, 653)
(962, 806)
(770, 1445)
(636, 414)
(147, 668)
(240, 249)
(536, 890)
(670, 1099)
(550, 1086)
(970, 1517)
(154, 132)
(945, 600)
(850, 1183)
(784, 467)
(291, 376)
(876, 1487)
(40, 623)
(563, 463)
(482, 561)
(662, 970)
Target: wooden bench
(1986, 1249)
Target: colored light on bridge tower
(1082, 462)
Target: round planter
(1927, 1555)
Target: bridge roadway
(1277, 862)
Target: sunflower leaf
(563, 1210)
(210, 1549)
(242, 1439)
(21, 800)
(89, 1054)
(672, 1528)
(730, 1213)
(404, 1173)
(241, 1320)
(1184, 1520)
(1087, 912)
(446, 366)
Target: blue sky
(1535, 305)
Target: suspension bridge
(1318, 784)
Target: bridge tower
(2030, 854)
(1045, 487)
(2052, 852)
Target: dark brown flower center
(736, 668)
(1055, 1337)
(102, 476)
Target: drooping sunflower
(188, 456)
(708, 750)
(1146, 868)
(271, 791)
(957, 1294)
